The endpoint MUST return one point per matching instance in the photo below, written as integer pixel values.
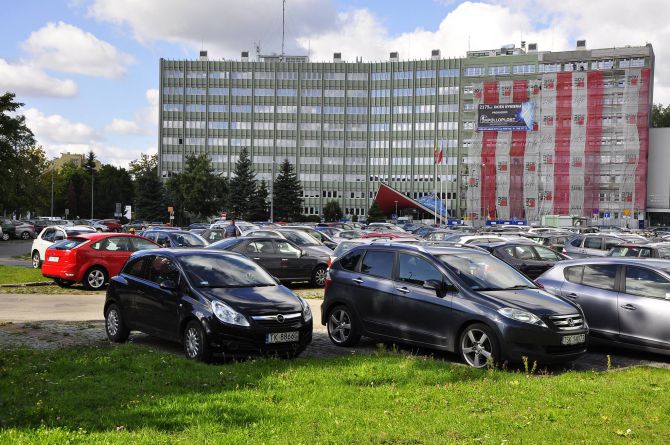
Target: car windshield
(481, 272)
(68, 244)
(188, 240)
(624, 251)
(344, 247)
(224, 271)
(300, 238)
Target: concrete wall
(658, 173)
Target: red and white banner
(502, 157)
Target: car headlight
(306, 311)
(228, 315)
(522, 316)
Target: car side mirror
(432, 285)
(168, 285)
(302, 253)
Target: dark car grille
(566, 323)
(274, 319)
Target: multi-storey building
(347, 127)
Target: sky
(88, 70)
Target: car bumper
(540, 344)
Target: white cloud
(66, 48)
(56, 129)
(149, 115)
(26, 79)
(123, 126)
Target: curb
(36, 283)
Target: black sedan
(529, 258)
(453, 299)
(210, 301)
(280, 257)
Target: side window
(350, 261)
(116, 244)
(646, 283)
(135, 267)
(163, 240)
(574, 274)
(378, 263)
(285, 248)
(49, 235)
(546, 254)
(577, 242)
(162, 269)
(593, 242)
(415, 270)
(645, 253)
(142, 244)
(611, 242)
(599, 276)
(265, 247)
(521, 252)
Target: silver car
(590, 245)
(624, 300)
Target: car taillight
(327, 282)
(564, 251)
(330, 261)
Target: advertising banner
(505, 117)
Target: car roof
(97, 235)
(423, 248)
(653, 262)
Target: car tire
(95, 278)
(4, 236)
(478, 346)
(37, 262)
(63, 283)
(319, 276)
(195, 342)
(25, 235)
(116, 329)
(343, 327)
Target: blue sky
(87, 70)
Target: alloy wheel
(192, 341)
(320, 276)
(96, 278)
(112, 322)
(476, 348)
(36, 260)
(25, 235)
(339, 325)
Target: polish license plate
(573, 339)
(53, 259)
(282, 337)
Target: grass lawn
(132, 394)
(19, 274)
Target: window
(264, 246)
(114, 244)
(136, 267)
(417, 271)
(49, 235)
(286, 248)
(574, 274)
(611, 242)
(577, 242)
(474, 71)
(378, 263)
(498, 70)
(350, 261)
(599, 276)
(593, 242)
(163, 269)
(545, 254)
(142, 244)
(521, 252)
(646, 283)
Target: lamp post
(52, 189)
(396, 210)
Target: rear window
(574, 274)
(75, 232)
(378, 263)
(350, 261)
(68, 244)
(599, 276)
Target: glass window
(142, 244)
(68, 244)
(611, 242)
(163, 269)
(416, 270)
(114, 244)
(545, 254)
(521, 252)
(350, 261)
(135, 267)
(625, 251)
(187, 240)
(646, 283)
(481, 271)
(574, 274)
(599, 276)
(163, 240)
(593, 242)
(378, 263)
(49, 235)
(224, 271)
(263, 246)
(286, 248)
(577, 242)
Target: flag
(437, 155)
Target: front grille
(274, 319)
(567, 323)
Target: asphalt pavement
(15, 248)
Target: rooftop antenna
(283, 11)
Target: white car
(50, 235)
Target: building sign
(505, 117)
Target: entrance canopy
(387, 196)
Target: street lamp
(396, 210)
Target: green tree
(77, 187)
(112, 185)
(287, 192)
(149, 204)
(375, 214)
(259, 209)
(242, 186)
(332, 211)
(660, 116)
(89, 164)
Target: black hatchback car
(459, 300)
(527, 257)
(211, 301)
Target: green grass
(20, 274)
(133, 394)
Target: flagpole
(442, 186)
(435, 190)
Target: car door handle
(256, 258)
(404, 290)
(284, 259)
(629, 307)
(357, 280)
(573, 296)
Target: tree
(115, 179)
(242, 186)
(660, 116)
(332, 211)
(375, 214)
(89, 164)
(149, 204)
(287, 193)
(259, 208)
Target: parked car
(625, 300)
(590, 245)
(214, 235)
(318, 235)
(112, 224)
(299, 238)
(530, 259)
(459, 300)
(338, 225)
(552, 240)
(652, 250)
(24, 229)
(174, 238)
(91, 259)
(209, 300)
(199, 226)
(50, 235)
(8, 229)
(280, 257)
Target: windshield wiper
(520, 286)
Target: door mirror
(168, 285)
(302, 254)
(432, 285)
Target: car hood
(256, 300)
(317, 251)
(537, 301)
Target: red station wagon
(91, 258)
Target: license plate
(573, 339)
(281, 337)
(53, 259)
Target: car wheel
(4, 236)
(478, 346)
(36, 260)
(116, 329)
(195, 342)
(343, 327)
(63, 283)
(319, 276)
(25, 235)
(95, 278)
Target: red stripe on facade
(643, 134)
(562, 143)
(517, 152)
(594, 130)
(489, 140)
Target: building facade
(347, 127)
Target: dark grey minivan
(454, 299)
